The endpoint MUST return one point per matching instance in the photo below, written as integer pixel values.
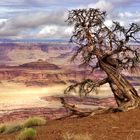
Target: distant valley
(34, 75)
(14, 54)
(42, 64)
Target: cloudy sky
(45, 19)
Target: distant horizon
(42, 40)
(8, 40)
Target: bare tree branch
(95, 39)
(86, 86)
(109, 49)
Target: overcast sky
(21, 19)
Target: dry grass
(70, 136)
(27, 134)
(14, 127)
(35, 121)
(2, 128)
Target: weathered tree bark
(125, 95)
(110, 49)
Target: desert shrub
(2, 128)
(35, 121)
(13, 128)
(27, 134)
(70, 136)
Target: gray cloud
(126, 17)
(20, 23)
(42, 3)
(43, 18)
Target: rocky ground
(112, 126)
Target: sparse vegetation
(2, 128)
(12, 128)
(27, 134)
(35, 121)
(70, 136)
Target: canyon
(33, 76)
(44, 64)
(40, 63)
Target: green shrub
(70, 136)
(13, 128)
(2, 128)
(27, 134)
(35, 121)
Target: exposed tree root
(73, 111)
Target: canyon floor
(18, 95)
(19, 101)
(112, 126)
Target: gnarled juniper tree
(109, 47)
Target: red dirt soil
(111, 126)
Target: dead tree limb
(109, 48)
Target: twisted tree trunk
(125, 95)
